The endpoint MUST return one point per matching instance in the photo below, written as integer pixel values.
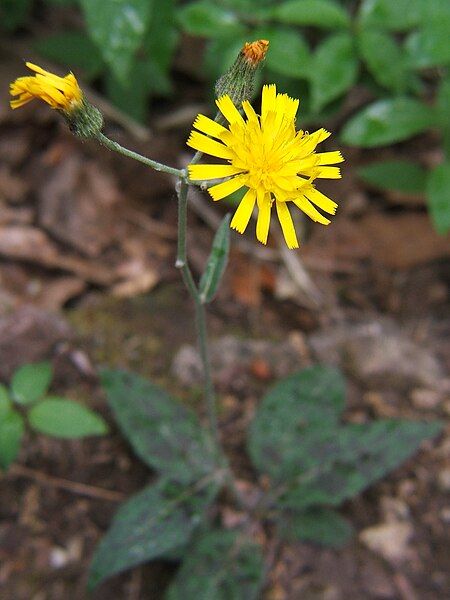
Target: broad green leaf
(217, 261)
(31, 382)
(5, 402)
(364, 453)
(11, 433)
(288, 51)
(387, 121)
(429, 47)
(319, 524)
(161, 39)
(438, 193)
(209, 20)
(334, 69)
(384, 59)
(73, 49)
(394, 15)
(294, 427)
(396, 175)
(63, 418)
(163, 433)
(152, 523)
(319, 13)
(117, 27)
(14, 13)
(220, 565)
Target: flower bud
(238, 81)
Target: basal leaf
(31, 382)
(334, 69)
(365, 453)
(163, 433)
(438, 194)
(155, 521)
(387, 121)
(319, 524)
(294, 427)
(325, 14)
(217, 261)
(396, 175)
(11, 432)
(117, 27)
(220, 565)
(64, 418)
(5, 402)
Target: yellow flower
(62, 93)
(266, 155)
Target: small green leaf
(74, 49)
(319, 13)
(394, 15)
(363, 454)
(295, 425)
(288, 52)
(5, 402)
(438, 193)
(63, 418)
(429, 47)
(161, 39)
(396, 175)
(152, 523)
(217, 261)
(384, 59)
(31, 382)
(220, 565)
(11, 433)
(209, 20)
(320, 525)
(387, 121)
(163, 433)
(334, 69)
(118, 29)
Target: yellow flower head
(62, 93)
(266, 155)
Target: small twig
(75, 487)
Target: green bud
(85, 121)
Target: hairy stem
(200, 313)
(115, 147)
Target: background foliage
(397, 52)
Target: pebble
(389, 540)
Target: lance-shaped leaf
(152, 523)
(396, 175)
(11, 433)
(319, 524)
(164, 434)
(364, 453)
(64, 418)
(220, 565)
(294, 428)
(217, 261)
(31, 381)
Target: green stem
(115, 147)
(200, 313)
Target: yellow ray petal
(330, 158)
(203, 172)
(207, 125)
(249, 111)
(229, 111)
(263, 222)
(226, 188)
(201, 142)
(287, 225)
(305, 205)
(329, 172)
(244, 212)
(321, 201)
(268, 100)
